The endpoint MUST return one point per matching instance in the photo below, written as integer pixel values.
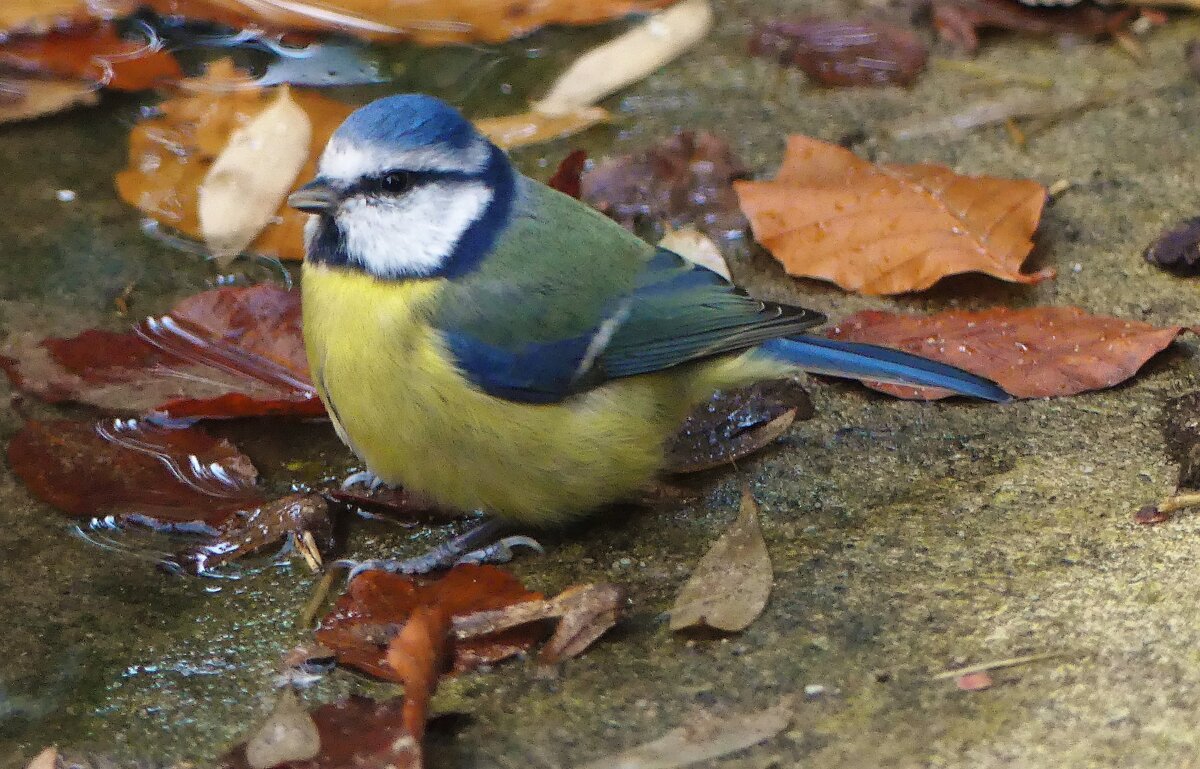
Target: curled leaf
(888, 229)
(729, 587)
(255, 528)
(1037, 352)
(697, 248)
(844, 52)
(248, 181)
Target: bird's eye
(396, 182)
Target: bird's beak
(316, 197)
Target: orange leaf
(97, 54)
(1032, 353)
(41, 16)
(418, 655)
(430, 22)
(888, 229)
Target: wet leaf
(418, 654)
(135, 472)
(959, 21)
(843, 52)
(626, 59)
(512, 131)
(684, 180)
(889, 229)
(228, 352)
(289, 734)
(729, 587)
(37, 17)
(1178, 249)
(567, 177)
(248, 182)
(377, 604)
(704, 736)
(732, 425)
(354, 732)
(697, 248)
(96, 54)
(256, 528)
(1036, 352)
(430, 22)
(27, 98)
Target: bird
(494, 345)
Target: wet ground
(907, 538)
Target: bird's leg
(484, 543)
(362, 478)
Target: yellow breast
(402, 405)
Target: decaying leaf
(430, 22)
(248, 181)
(377, 604)
(629, 58)
(512, 131)
(705, 736)
(697, 248)
(729, 587)
(256, 528)
(92, 53)
(683, 180)
(135, 472)
(228, 352)
(888, 229)
(1177, 249)
(1036, 352)
(289, 734)
(26, 98)
(959, 21)
(844, 52)
(732, 425)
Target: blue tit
(495, 345)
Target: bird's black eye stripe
(397, 182)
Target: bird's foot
(477, 545)
(366, 478)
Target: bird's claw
(501, 551)
(443, 556)
(362, 478)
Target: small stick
(309, 613)
(995, 665)
(1015, 134)
(307, 545)
(1059, 187)
(1159, 512)
(993, 74)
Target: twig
(309, 613)
(995, 665)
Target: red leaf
(229, 352)
(135, 471)
(1032, 353)
(567, 178)
(959, 21)
(844, 52)
(95, 53)
(377, 605)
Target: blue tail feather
(855, 360)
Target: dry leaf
(705, 736)
(288, 734)
(249, 180)
(512, 131)
(844, 52)
(730, 585)
(888, 229)
(1036, 352)
(697, 248)
(430, 22)
(627, 59)
(26, 98)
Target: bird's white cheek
(310, 231)
(414, 234)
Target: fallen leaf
(684, 180)
(959, 21)
(1150, 515)
(46, 759)
(974, 682)
(396, 503)
(228, 352)
(567, 177)
(889, 229)
(39, 17)
(1177, 249)
(512, 131)
(255, 528)
(1036, 352)
(844, 52)
(353, 732)
(377, 604)
(697, 248)
(170, 155)
(418, 655)
(135, 472)
(626, 59)
(429, 22)
(248, 182)
(27, 98)
(729, 587)
(735, 424)
(94, 53)
(289, 734)
(704, 736)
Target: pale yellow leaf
(697, 248)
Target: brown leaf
(567, 177)
(1177, 249)
(1036, 352)
(702, 737)
(729, 587)
(229, 352)
(419, 654)
(732, 425)
(377, 604)
(959, 21)
(843, 52)
(39, 17)
(94, 53)
(27, 98)
(430, 22)
(256, 528)
(893, 228)
(134, 471)
(683, 180)
(974, 682)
